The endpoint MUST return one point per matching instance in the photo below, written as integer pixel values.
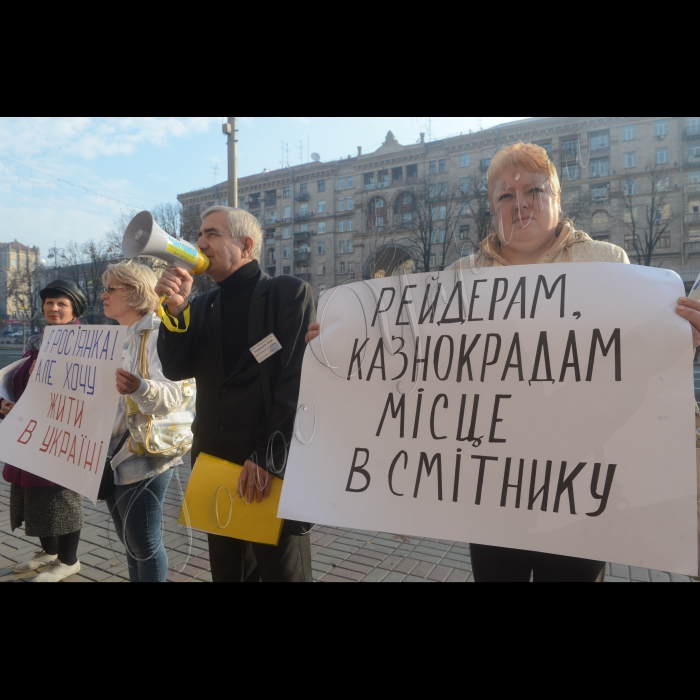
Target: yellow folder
(212, 504)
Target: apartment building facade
(355, 218)
(15, 259)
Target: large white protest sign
(545, 408)
(61, 428)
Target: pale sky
(144, 161)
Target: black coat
(233, 421)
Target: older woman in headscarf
(50, 512)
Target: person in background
(141, 479)
(241, 404)
(529, 229)
(50, 512)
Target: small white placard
(266, 348)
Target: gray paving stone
(352, 566)
(461, 566)
(458, 577)
(320, 568)
(371, 553)
(406, 566)
(414, 579)
(342, 548)
(394, 577)
(436, 546)
(366, 561)
(335, 579)
(677, 578)
(619, 571)
(640, 574)
(450, 556)
(342, 572)
(95, 575)
(426, 558)
(375, 576)
(423, 570)
(377, 548)
(329, 557)
(440, 574)
(390, 563)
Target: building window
(322, 207)
(351, 224)
(369, 181)
(465, 184)
(321, 288)
(341, 247)
(342, 268)
(287, 193)
(341, 206)
(465, 160)
(661, 128)
(286, 232)
(397, 176)
(304, 189)
(408, 217)
(304, 228)
(569, 149)
(321, 247)
(629, 133)
(341, 226)
(464, 232)
(286, 270)
(600, 194)
(351, 268)
(662, 156)
(600, 168)
(351, 203)
(341, 183)
(629, 187)
(600, 141)
(694, 153)
(443, 166)
(631, 160)
(433, 167)
(287, 253)
(287, 213)
(412, 172)
(321, 185)
(571, 172)
(351, 182)
(321, 226)
(601, 219)
(304, 210)
(272, 257)
(351, 247)
(322, 270)
(433, 261)
(664, 241)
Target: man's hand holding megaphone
(176, 286)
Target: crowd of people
(242, 404)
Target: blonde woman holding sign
(142, 473)
(529, 229)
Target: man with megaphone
(244, 344)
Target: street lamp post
(231, 130)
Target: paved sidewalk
(339, 555)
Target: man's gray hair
(242, 225)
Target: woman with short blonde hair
(141, 478)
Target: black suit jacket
(236, 415)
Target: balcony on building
(692, 217)
(302, 236)
(484, 164)
(692, 132)
(305, 217)
(302, 258)
(272, 221)
(303, 197)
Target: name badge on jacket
(266, 348)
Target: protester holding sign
(528, 229)
(50, 512)
(244, 343)
(142, 467)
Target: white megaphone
(145, 239)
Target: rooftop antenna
(315, 157)
(481, 128)
(301, 152)
(216, 172)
